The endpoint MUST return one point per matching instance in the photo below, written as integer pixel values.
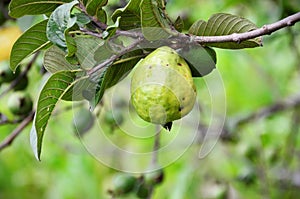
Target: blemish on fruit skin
(180, 108)
(179, 64)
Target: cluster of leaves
(87, 51)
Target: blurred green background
(256, 159)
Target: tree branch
(114, 57)
(239, 37)
(11, 137)
(289, 103)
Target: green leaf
(179, 24)
(226, 24)
(51, 93)
(101, 15)
(201, 60)
(130, 15)
(111, 30)
(86, 49)
(82, 19)
(94, 5)
(59, 22)
(155, 22)
(115, 73)
(55, 61)
(31, 41)
(19, 8)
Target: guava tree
(88, 50)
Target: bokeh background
(257, 155)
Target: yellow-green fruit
(162, 87)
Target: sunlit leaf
(51, 93)
(226, 24)
(19, 8)
(30, 42)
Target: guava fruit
(20, 103)
(124, 183)
(162, 87)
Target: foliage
(90, 46)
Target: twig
(18, 79)
(239, 37)
(286, 104)
(156, 146)
(114, 57)
(154, 160)
(11, 137)
(100, 24)
(226, 134)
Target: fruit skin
(20, 103)
(8, 36)
(162, 87)
(124, 183)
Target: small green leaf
(155, 23)
(226, 24)
(86, 49)
(201, 60)
(115, 73)
(19, 8)
(55, 61)
(51, 93)
(130, 15)
(94, 5)
(84, 2)
(101, 15)
(179, 24)
(31, 41)
(111, 30)
(82, 19)
(59, 22)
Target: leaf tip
(34, 142)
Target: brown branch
(11, 137)
(289, 103)
(227, 131)
(114, 57)
(239, 37)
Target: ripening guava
(162, 87)
(8, 36)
